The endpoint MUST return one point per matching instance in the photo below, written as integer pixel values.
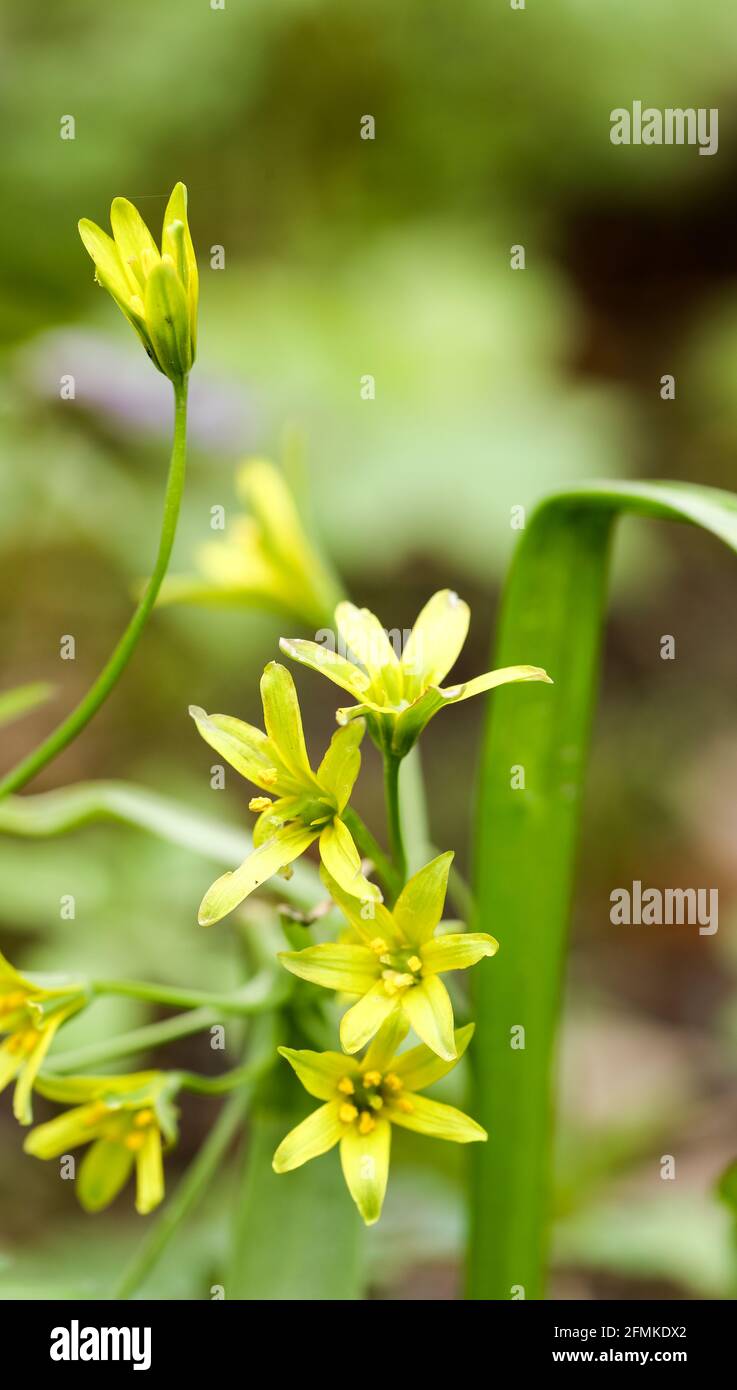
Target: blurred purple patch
(124, 387)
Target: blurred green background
(391, 257)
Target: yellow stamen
(396, 979)
(270, 776)
(366, 1123)
(95, 1112)
(405, 1105)
(347, 1113)
(376, 1102)
(134, 1141)
(260, 803)
(392, 1081)
(10, 1002)
(372, 1078)
(414, 963)
(378, 945)
(346, 1086)
(143, 1118)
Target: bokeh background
(392, 257)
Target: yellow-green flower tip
(157, 290)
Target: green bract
(156, 290)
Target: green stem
(371, 849)
(264, 991)
(70, 727)
(392, 765)
(140, 1040)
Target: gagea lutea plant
(351, 931)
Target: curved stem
(70, 727)
(371, 849)
(392, 765)
(264, 991)
(140, 1040)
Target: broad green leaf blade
(298, 1234)
(86, 803)
(19, 701)
(552, 616)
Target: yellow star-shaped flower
(361, 1102)
(31, 1011)
(396, 961)
(399, 695)
(308, 804)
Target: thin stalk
(70, 727)
(264, 991)
(371, 849)
(392, 765)
(140, 1040)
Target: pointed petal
(104, 1170)
(456, 951)
(419, 907)
(506, 675)
(283, 721)
(132, 236)
(366, 1017)
(365, 1162)
(320, 1072)
(430, 1012)
(10, 1065)
(342, 860)
(370, 919)
(337, 669)
(366, 639)
(176, 211)
(10, 979)
(149, 1173)
(439, 1121)
(352, 969)
(436, 640)
(108, 261)
(382, 1051)
(246, 748)
(342, 762)
(24, 1085)
(64, 1132)
(230, 889)
(420, 1067)
(314, 1136)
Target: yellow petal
(456, 951)
(176, 211)
(64, 1132)
(314, 1136)
(343, 862)
(246, 748)
(435, 641)
(132, 236)
(327, 663)
(381, 1053)
(365, 1162)
(366, 639)
(506, 675)
(283, 721)
(109, 264)
(372, 921)
(430, 1013)
(104, 1170)
(149, 1172)
(320, 1072)
(352, 969)
(341, 765)
(420, 1067)
(366, 1017)
(230, 889)
(419, 907)
(24, 1085)
(167, 320)
(439, 1121)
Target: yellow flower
(31, 1011)
(157, 291)
(308, 805)
(123, 1119)
(362, 1100)
(395, 965)
(399, 695)
(264, 559)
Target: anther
(347, 1113)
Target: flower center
(366, 1096)
(402, 968)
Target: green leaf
(552, 616)
(17, 702)
(297, 1234)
